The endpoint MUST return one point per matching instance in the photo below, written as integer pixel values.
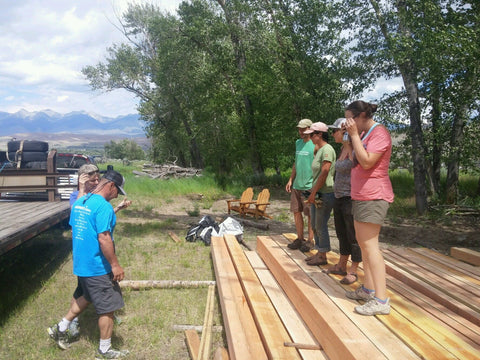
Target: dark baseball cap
(117, 179)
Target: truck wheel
(28, 145)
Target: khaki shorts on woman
(371, 211)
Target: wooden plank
(432, 337)
(337, 335)
(221, 354)
(292, 321)
(461, 266)
(193, 343)
(388, 341)
(469, 256)
(206, 339)
(432, 292)
(269, 325)
(16, 228)
(174, 237)
(453, 290)
(242, 335)
(438, 272)
(470, 333)
(452, 269)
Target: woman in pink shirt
(372, 193)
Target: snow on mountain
(80, 122)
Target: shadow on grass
(24, 269)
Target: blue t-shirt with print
(90, 216)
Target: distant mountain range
(78, 122)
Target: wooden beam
(296, 327)
(432, 292)
(445, 267)
(269, 325)
(205, 341)
(392, 344)
(457, 324)
(450, 261)
(221, 354)
(174, 237)
(469, 256)
(193, 343)
(437, 270)
(242, 335)
(335, 333)
(454, 291)
(302, 346)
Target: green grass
(36, 279)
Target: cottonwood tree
(433, 45)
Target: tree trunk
(418, 146)
(453, 166)
(437, 141)
(408, 71)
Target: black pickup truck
(27, 156)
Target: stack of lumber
(275, 306)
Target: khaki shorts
(372, 211)
(297, 202)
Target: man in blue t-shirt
(300, 181)
(95, 263)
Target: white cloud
(45, 44)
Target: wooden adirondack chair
(242, 204)
(260, 205)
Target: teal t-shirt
(303, 164)
(90, 216)
(325, 153)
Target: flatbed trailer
(21, 221)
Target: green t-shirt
(303, 164)
(325, 153)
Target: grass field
(36, 280)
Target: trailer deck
(20, 221)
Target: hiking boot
(110, 354)
(296, 244)
(63, 339)
(374, 307)
(74, 330)
(360, 294)
(306, 246)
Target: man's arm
(106, 245)
(288, 187)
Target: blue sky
(44, 44)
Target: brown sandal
(347, 281)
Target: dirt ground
(460, 231)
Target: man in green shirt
(300, 181)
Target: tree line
(223, 83)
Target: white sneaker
(374, 307)
(360, 294)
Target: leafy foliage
(223, 83)
(125, 150)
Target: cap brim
(121, 191)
